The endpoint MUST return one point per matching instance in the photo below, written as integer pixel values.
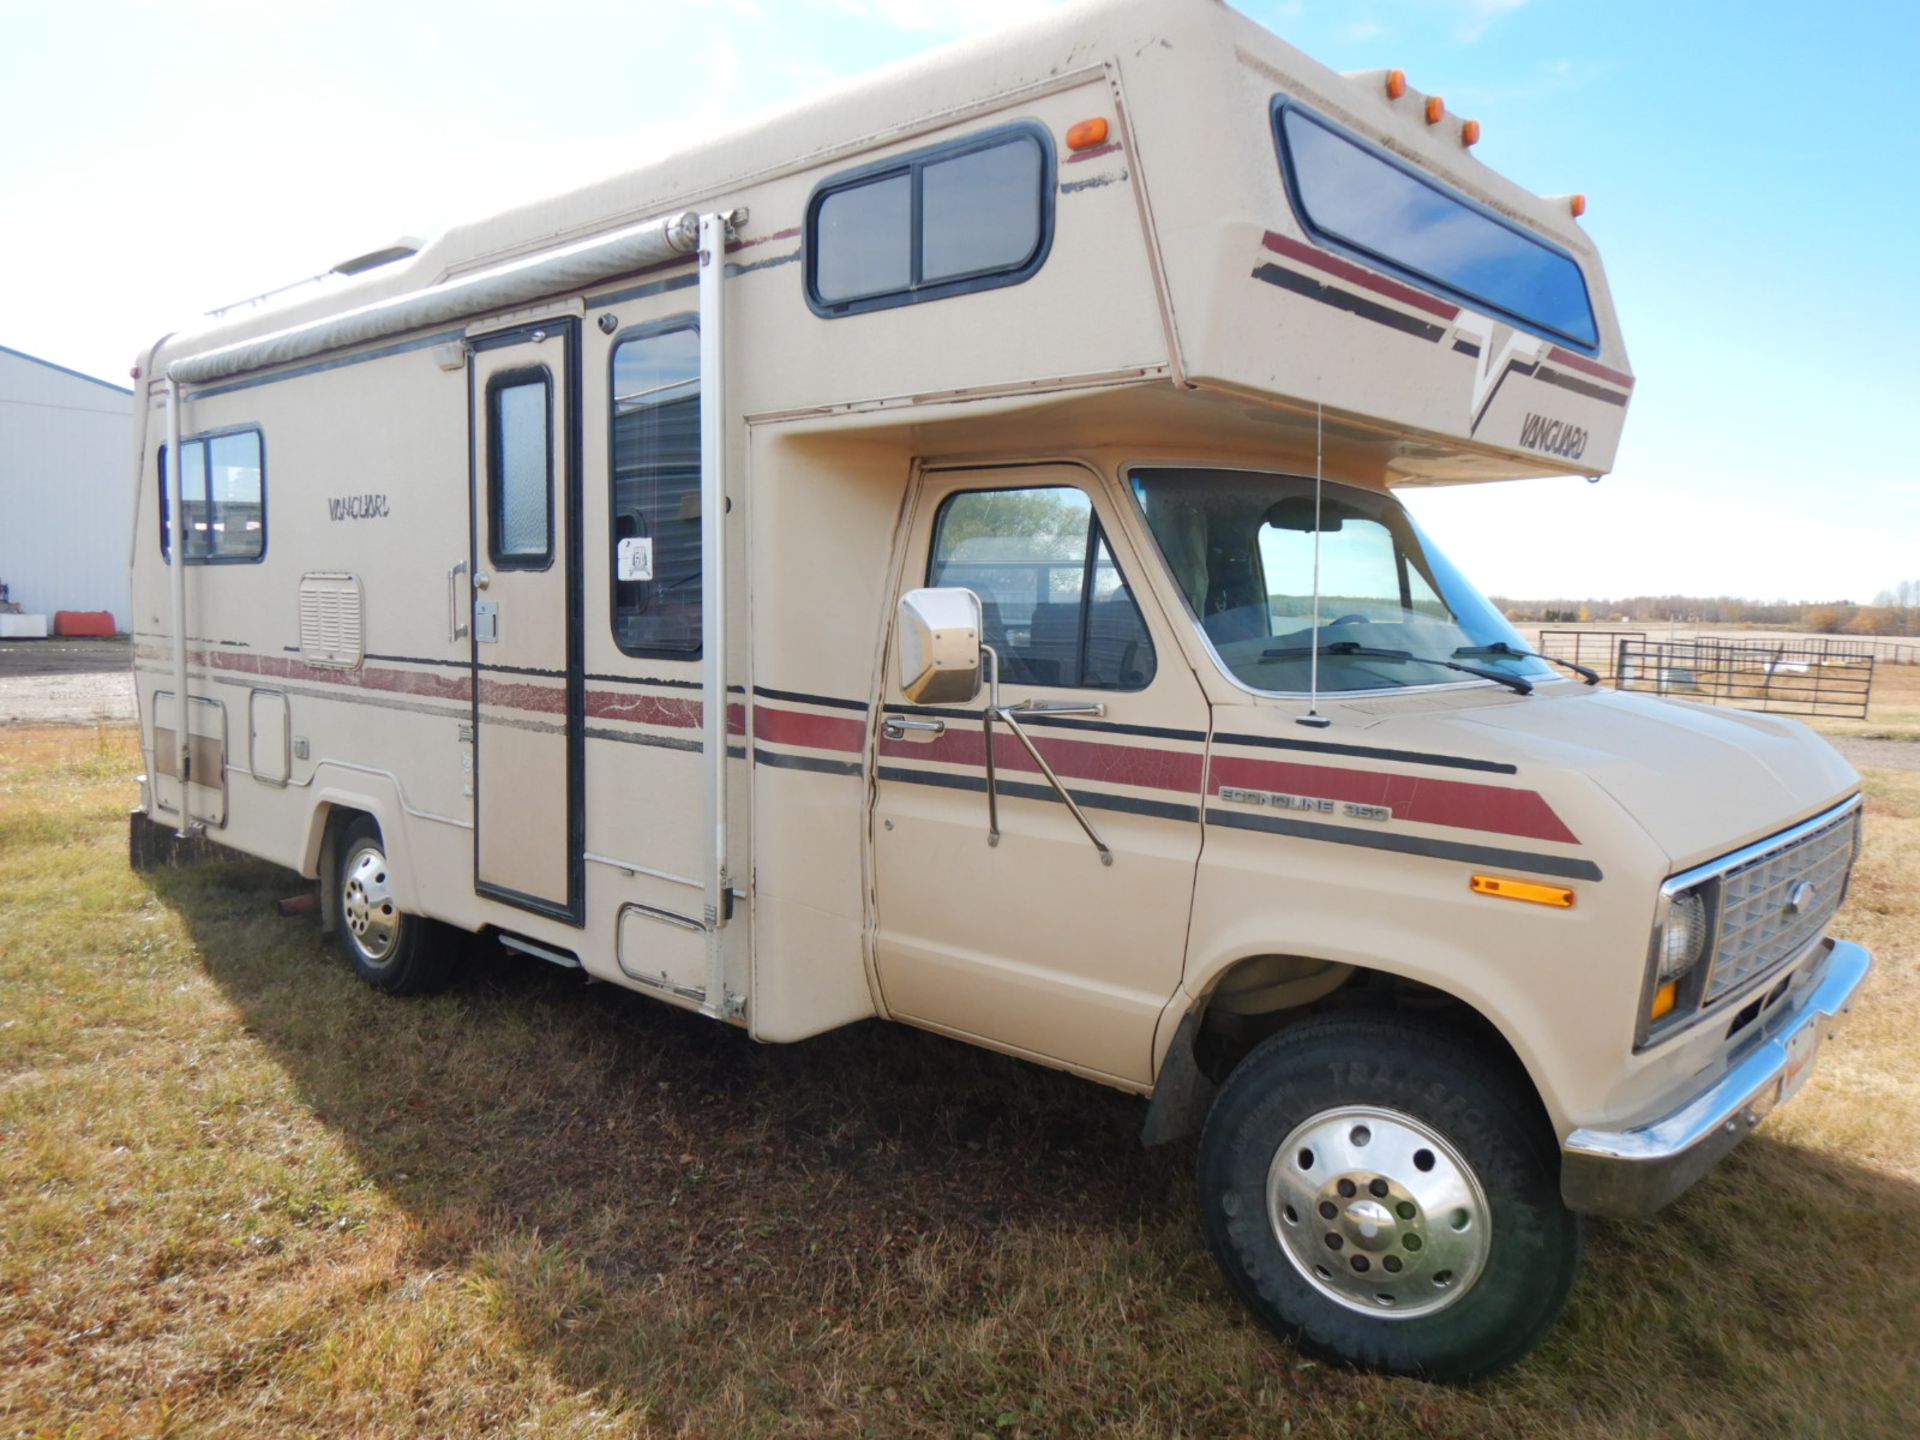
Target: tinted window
(1353, 194)
(980, 211)
(223, 494)
(656, 493)
(1054, 605)
(863, 238)
(520, 470)
(943, 221)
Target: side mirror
(940, 646)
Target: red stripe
(1095, 153)
(1112, 764)
(1455, 803)
(1592, 367)
(1359, 275)
(815, 732)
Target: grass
(240, 1194)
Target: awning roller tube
(502, 287)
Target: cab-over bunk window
(1353, 197)
(970, 215)
(223, 490)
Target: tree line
(1893, 612)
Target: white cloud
(1482, 13)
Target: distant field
(241, 1195)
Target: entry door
(1033, 944)
(528, 684)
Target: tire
(388, 948)
(1383, 1196)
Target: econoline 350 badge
(1314, 804)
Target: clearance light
(1578, 205)
(1664, 999)
(1557, 896)
(1396, 84)
(1087, 134)
(1470, 132)
(1436, 110)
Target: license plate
(1801, 1050)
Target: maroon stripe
(402, 682)
(1456, 803)
(1359, 275)
(1095, 153)
(815, 732)
(1592, 367)
(1176, 770)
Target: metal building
(65, 506)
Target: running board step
(540, 952)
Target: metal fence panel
(1752, 675)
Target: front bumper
(1630, 1173)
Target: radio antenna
(1313, 716)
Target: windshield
(1240, 545)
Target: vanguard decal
(1553, 437)
(358, 507)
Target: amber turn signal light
(1578, 205)
(1087, 133)
(1501, 888)
(1470, 132)
(1436, 110)
(1664, 999)
(1396, 84)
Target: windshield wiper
(1370, 652)
(1500, 647)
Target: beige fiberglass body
(932, 555)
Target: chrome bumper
(1634, 1172)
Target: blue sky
(1751, 170)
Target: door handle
(482, 580)
(456, 627)
(899, 727)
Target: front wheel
(388, 948)
(1382, 1195)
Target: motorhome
(935, 555)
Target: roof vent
(400, 249)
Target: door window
(1054, 605)
(520, 470)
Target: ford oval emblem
(1801, 897)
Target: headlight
(1684, 940)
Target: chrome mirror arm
(995, 710)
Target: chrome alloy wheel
(366, 900)
(1378, 1212)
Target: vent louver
(330, 620)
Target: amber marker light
(1436, 110)
(1558, 896)
(1470, 132)
(1396, 84)
(1087, 133)
(1578, 205)
(1664, 999)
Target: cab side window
(1054, 604)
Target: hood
(1701, 780)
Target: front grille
(1756, 930)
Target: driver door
(1032, 944)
